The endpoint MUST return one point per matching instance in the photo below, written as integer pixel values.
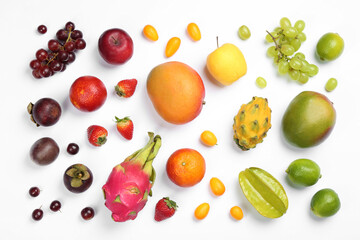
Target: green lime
(325, 203)
(330, 46)
(304, 172)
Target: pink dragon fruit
(129, 184)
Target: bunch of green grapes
(288, 39)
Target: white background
(337, 156)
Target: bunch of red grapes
(61, 52)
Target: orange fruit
(186, 167)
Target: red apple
(115, 46)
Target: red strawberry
(97, 135)
(164, 209)
(125, 127)
(126, 88)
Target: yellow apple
(226, 64)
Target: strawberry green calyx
(101, 140)
(170, 203)
(125, 119)
(119, 91)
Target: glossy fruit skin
(301, 127)
(244, 32)
(34, 191)
(115, 46)
(164, 209)
(237, 213)
(126, 88)
(303, 172)
(125, 127)
(226, 64)
(172, 46)
(150, 33)
(97, 135)
(217, 186)
(42, 29)
(325, 203)
(88, 93)
(331, 84)
(176, 91)
(37, 214)
(194, 31)
(55, 205)
(186, 167)
(202, 211)
(329, 47)
(87, 213)
(72, 148)
(264, 192)
(44, 151)
(45, 112)
(85, 183)
(208, 138)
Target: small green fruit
(330, 46)
(325, 203)
(303, 172)
(308, 120)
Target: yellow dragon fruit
(129, 184)
(252, 123)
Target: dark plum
(45, 112)
(44, 151)
(78, 178)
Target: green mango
(264, 192)
(308, 120)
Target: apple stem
(115, 40)
(217, 41)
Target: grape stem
(273, 38)
(61, 48)
(50, 60)
(277, 47)
(69, 36)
